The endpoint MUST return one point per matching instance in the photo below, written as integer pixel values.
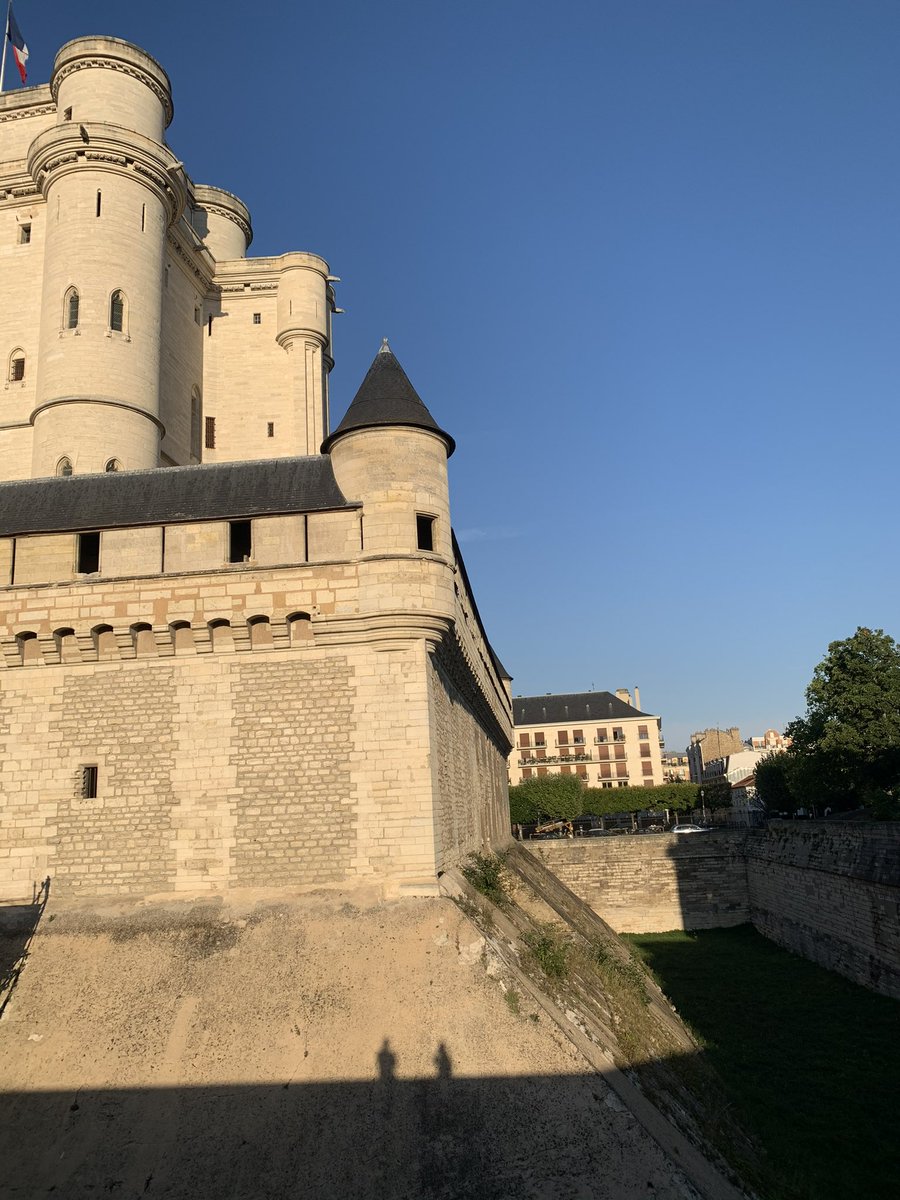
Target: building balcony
(553, 758)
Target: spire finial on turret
(385, 348)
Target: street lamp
(703, 805)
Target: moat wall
(829, 891)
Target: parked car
(690, 829)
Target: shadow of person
(443, 1062)
(387, 1062)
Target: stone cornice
(195, 262)
(70, 147)
(32, 110)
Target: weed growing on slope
(487, 874)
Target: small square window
(257, 318)
(89, 782)
(24, 234)
(240, 541)
(88, 562)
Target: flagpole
(5, 41)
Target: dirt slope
(318, 1046)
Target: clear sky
(639, 257)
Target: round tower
(390, 453)
(112, 189)
(222, 221)
(305, 306)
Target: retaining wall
(827, 890)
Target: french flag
(20, 50)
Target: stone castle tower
(237, 648)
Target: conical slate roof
(386, 397)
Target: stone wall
(654, 882)
(829, 891)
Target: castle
(239, 648)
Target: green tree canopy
(846, 749)
(563, 797)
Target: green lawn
(811, 1060)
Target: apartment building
(600, 737)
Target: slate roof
(170, 495)
(386, 397)
(572, 708)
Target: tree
(846, 750)
(546, 798)
(774, 783)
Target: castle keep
(238, 648)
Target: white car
(689, 829)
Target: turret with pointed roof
(386, 397)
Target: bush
(549, 952)
(549, 798)
(487, 874)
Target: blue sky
(639, 258)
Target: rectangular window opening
(270, 429)
(240, 541)
(209, 326)
(99, 202)
(424, 532)
(257, 318)
(17, 370)
(210, 427)
(67, 114)
(143, 217)
(24, 234)
(89, 782)
(88, 553)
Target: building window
(198, 315)
(64, 467)
(524, 740)
(70, 309)
(89, 782)
(642, 733)
(17, 366)
(645, 751)
(240, 541)
(87, 553)
(117, 311)
(210, 427)
(646, 768)
(578, 737)
(67, 114)
(25, 234)
(562, 737)
(270, 429)
(257, 318)
(112, 464)
(539, 739)
(424, 532)
(602, 737)
(196, 424)
(526, 772)
(618, 734)
(99, 202)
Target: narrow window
(257, 318)
(196, 425)
(64, 467)
(167, 279)
(198, 314)
(89, 782)
(17, 367)
(143, 217)
(117, 311)
(209, 326)
(210, 427)
(113, 464)
(424, 532)
(270, 429)
(67, 114)
(88, 562)
(71, 308)
(99, 202)
(24, 234)
(240, 541)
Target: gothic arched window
(117, 311)
(70, 309)
(64, 466)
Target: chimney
(637, 697)
(624, 695)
